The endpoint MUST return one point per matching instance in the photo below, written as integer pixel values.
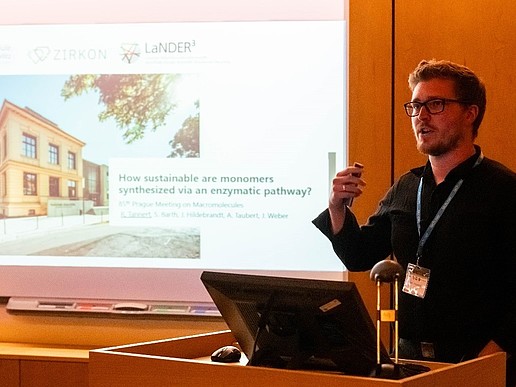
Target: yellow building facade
(38, 162)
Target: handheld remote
(348, 202)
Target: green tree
(135, 101)
(186, 140)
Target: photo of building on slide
(57, 134)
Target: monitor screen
(295, 323)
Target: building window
(53, 154)
(29, 146)
(30, 184)
(53, 186)
(72, 163)
(72, 189)
(91, 179)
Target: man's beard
(443, 146)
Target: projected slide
(188, 145)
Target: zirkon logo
(39, 54)
(130, 52)
(43, 53)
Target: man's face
(441, 133)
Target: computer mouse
(226, 354)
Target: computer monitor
(294, 323)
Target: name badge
(416, 280)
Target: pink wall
(110, 11)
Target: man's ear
(472, 113)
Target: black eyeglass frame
(409, 105)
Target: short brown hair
(468, 86)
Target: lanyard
(426, 235)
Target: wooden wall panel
(478, 33)
(53, 374)
(369, 137)
(9, 373)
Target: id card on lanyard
(416, 280)
(418, 277)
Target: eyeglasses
(433, 106)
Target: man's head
(468, 87)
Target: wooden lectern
(185, 361)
